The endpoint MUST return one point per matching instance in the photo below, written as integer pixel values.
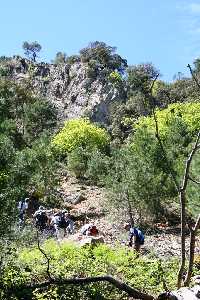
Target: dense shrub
(188, 113)
(77, 161)
(80, 133)
(26, 161)
(178, 125)
(77, 141)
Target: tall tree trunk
(191, 258)
(183, 225)
(193, 232)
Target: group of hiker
(61, 223)
(48, 221)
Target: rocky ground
(85, 203)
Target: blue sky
(164, 32)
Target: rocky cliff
(69, 87)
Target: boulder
(184, 293)
(91, 241)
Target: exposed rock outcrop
(69, 87)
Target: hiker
(33, 204)
(70, 223)
(136, 237)
(60, 224)
(41, 218)
(89, 230)
(22, 207)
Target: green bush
(80, 133)
(76, 141)
(178, 126)
(115, 77)
(77, 162)
(188, 113)
(4, 71)
(97, 166)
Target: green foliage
(187, 113)
(93, 165)
(22, 115)
(115, 77)
(104, 55)
(140, 78)
(102, 60)
(3, 179)
(135, 181)
(6, 151)
(68, 260)
(26, 160)
(61, 58)
(39, 116)
(118, 128)
(4, 71)
(80, 133)
(97, 167)
(77, 161)
(70, 60)
(77, 140)
(37, 168)
(178, 125)
(139, 174)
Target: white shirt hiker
(22, 206)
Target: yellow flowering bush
(80, 133)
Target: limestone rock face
(68, 87)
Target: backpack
(41, 218)
(93, 230)
(62, 223)
(139, 236)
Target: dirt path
(85, 201)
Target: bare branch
(46, 256)
(188, 162)
(81, 281)
(152, 85)
(193, 76)
(193, 180)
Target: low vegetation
(67, 260)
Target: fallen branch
(81, 281)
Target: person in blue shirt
(136, 237)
